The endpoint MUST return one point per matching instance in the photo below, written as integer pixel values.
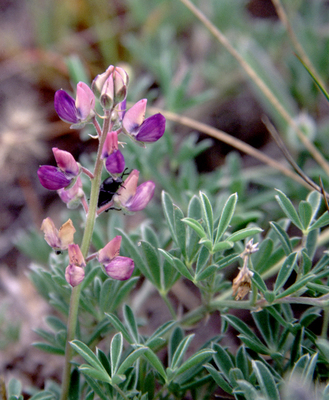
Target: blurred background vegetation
(176, 64)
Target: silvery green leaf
(226, 216)
(288, 209)
(115, 352)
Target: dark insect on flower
(109, 187)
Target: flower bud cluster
(109, 89)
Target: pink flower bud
(76, 256)
(74, 275)
(116, 267)
(121, 268)
(111, 86)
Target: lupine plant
(109, 90)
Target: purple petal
(115, 163)
(143, 195)
(85, 101)
(65, 107)
(134, 117)
(152, 129)
(66, 162)
(52, 178)
(120, 268)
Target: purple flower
(134, 198)
(117, 267)
(52, 178)
(115, 163)
(146, 131)
(55, 178)
(77, 112)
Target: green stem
(89, 228)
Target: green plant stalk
(87, 235)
